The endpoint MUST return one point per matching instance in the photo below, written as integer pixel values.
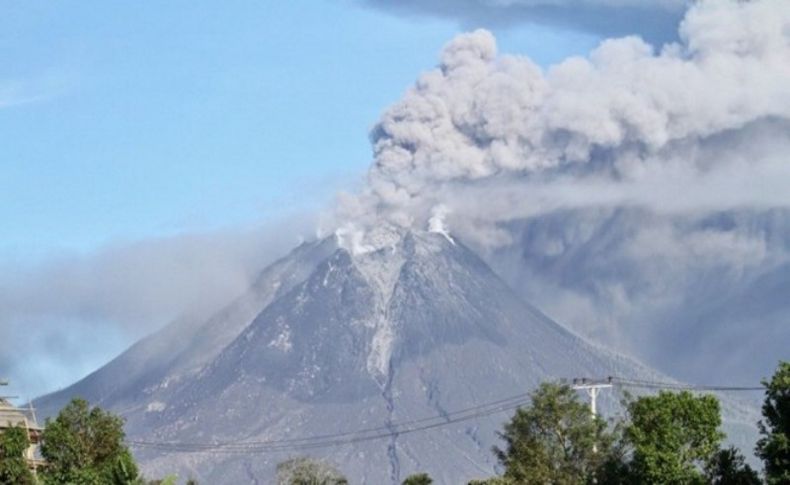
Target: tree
(308, 471)
(729, 468)
(418, 479)
(13, 466)
(168, 480)
(552, 440)
(492, 481)
(673, 435)
(774, 445)
(84, 446)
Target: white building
(12, 416)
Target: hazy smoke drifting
(625, 124)
(62, 318)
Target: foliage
(418, 479)
(774, 445)
(169, 480)
(673, 436)
(729, 468)
(84, 446)
(308, 471)
(615, 468)
(552, 440)
(493, 481)
(13, 466)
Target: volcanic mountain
(331, 340)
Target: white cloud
(16, 92)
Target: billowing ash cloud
(655, 20)
(637, 194)
(626, 124)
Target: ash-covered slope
(160, 362)
(329, 342)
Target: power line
(327, 443)
(395, 429)
(404, 427)
(444, 416)
(679, 386)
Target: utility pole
(592, 387)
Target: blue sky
(131, 121)
(137, 119)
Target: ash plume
(627, 124)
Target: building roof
(11, 415)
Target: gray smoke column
(623, 116)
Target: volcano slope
(329, 341)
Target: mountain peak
(332, 339)
(388, 235)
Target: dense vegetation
(418, 479)
(670, 437)
(84, 445)
(774, 446)
(13, 467)
(307, 471)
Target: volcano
(330, 340)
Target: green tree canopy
(674, 436)
(418, 479)
(84, 446)
(492, 481)
(729, 468)
(552, 439)
(774, 445)
(13, 466)
(168, 480)
(308, 471)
